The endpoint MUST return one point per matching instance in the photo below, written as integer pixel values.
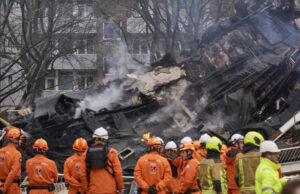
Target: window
(84, 80)
(50, 84)
(66, 80)
(136, 47)
(111, 31)
(84, 10)
(139, 47)
(85, 46)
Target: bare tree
(176, 24)
(33, 35)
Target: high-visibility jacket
(102, 181)
(75, 174)
(244, 171)
(10, 168)
(267, 179)
(173, 184)
(212, 177)
(41, 172)
(152, 169)
(188, 177)
(202, 153)
(230, 157)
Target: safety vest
(245, 167)
(210, 170)
(267, 179)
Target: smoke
(120, 64)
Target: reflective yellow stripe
(250, 188)
(242, 178)
(223, 181)
(209, 179)
(208, 191)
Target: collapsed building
(244, 76)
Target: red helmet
(154, 143)
(40, 144)
(13, 133)
(80, 145)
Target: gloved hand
(120, 192)
(152, 189)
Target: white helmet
(171, 145)
(204, 138)
(100, 133)
(236, 137)
(269, 146)
(161, 140)
(186, 139)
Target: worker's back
(107, 178)
(244, 171)
(209, 172)
(8, 156)
(10, 168)
(42, 174)
(152, 169)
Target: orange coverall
(202, 153)
(152, 169)
(103, 182)
(10, 169)
(188, 177)
(75, 174)
(173, 184)
(41, 171)
(196, 156)
(229, 157)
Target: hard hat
(171, 145)
(204, 138)
(236, 137)
(214, 143)
(186, 146)
(80, 145)
(40, 144)
(196, 144)
(186, 139)
(13, 133)
(269, 146)
(254, 138)
(100, 133)
(161, 140)
(154, 143)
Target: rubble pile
(244, 76)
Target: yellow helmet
(254, 138)
(214, 143)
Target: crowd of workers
(248, 165)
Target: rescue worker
(10, 163)
(188, 139)
(247, 162)
(211, 173)
(41, 171)
(175, 163)
(152, 171)
(267, 179)
(236, 143)
(196, 144)
(75, 169)
(202, 150)
(103, 166)
(188, 176)
(161, 151)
